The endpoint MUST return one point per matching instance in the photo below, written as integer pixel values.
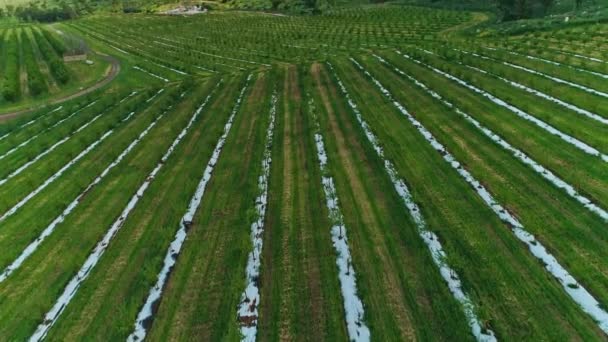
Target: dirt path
(114, 71)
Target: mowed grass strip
(50, 117)
(300, 294)
(560, 71)
(586, 173)
(578, 126)
(18, 154)
(564, 92)
(18, 186)
(404, 296)
(200, 299)
(26, 224)
(31, 291)
(575, 236)
(514, 294)
(108, 302)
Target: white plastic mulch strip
(33, 246)
(26, 142)
(205, 69)
(583, 57)
(40, 117)
(552, 130)
(564, 104)
(72, 288)
(49, 150)
(557, 63)
(150, 73)
(537, 167)
(553, 78)
(247, 310)
(155, 95)
(353, 306)
(61, 171)
(575, 290)
(428, 237)
(538, 93)
(54, 177)
(6, 135)
(146, 314)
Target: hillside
(368, 172)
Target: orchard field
(377, 172)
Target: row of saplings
(51, 51)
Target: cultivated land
(375, 172)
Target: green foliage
(35, 80)
(57, 44)
(11, 90)
(55, 62)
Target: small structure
(187, 9)
(76, 49)
(75, 58)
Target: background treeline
(508, 10)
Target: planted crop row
(55, 62)
(36, 82)
(11, 84)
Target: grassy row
(559, 222)
(22, 184)
(300, 294)
(43, 122)
(55, 62)
(91, 219)
(142, 242)
(581, 127)
(48, 204)
(583, 171)
(513, 294)
(11, 86)
(49, 136)
(205, 288)
(564, 92)
(35, 80)
(402, 300)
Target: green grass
(404, 295)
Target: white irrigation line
(150, 73)
(72, 287)
(26, 142)
(353, 306)
(247, 311)
(49, 150)
(552, 130)
(537, 167)
(573, 288)
(33, 246)
(428, 237)
(6, 135)
(146, 314)
(553, 78)
(599, 74)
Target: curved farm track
(114, 71)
